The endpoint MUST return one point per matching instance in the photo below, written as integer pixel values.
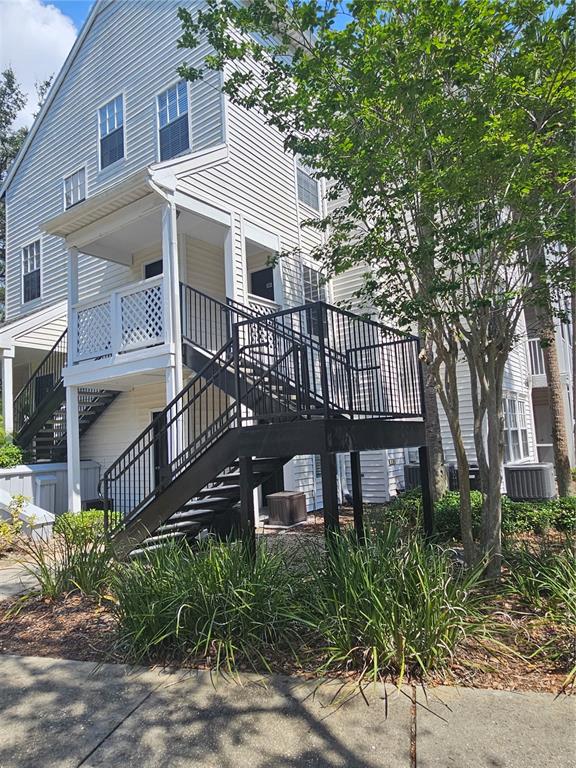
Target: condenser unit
(530, 481)
(411, 476)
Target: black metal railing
(338, 362)
(308, 362)
(180, 434)
(41, 385)
(206, 321)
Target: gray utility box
(530, 481)
(287, 507)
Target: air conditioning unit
(530, 481)
(411, 476)
(473, 474)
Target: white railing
(125, 320)
(262, 306)
(536, 358)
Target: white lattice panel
(142, 318)
(93, 331)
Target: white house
(142, 216)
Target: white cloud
(35, 38)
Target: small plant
(10, 529)
(88, 524)
(10, 454)
(544, 577)
(215, 604)
(394, 604)
(70, 561)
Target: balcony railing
(125, 320)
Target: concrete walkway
(14, 580)
(67, 714)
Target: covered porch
(147, 268)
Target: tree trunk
(448, 393)
(573, 303)
(491, 533)
(438, 477)
(557, 412)
(547, 333)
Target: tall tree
(420, 114)
(12, 100)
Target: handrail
(52, 364)
(300, 363)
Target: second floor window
(111, 128)
(75, 188)
(308, 188)
(173, 121)
(31, 272)
(515, 430)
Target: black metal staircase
(263, 384)
(40, 408)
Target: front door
(262, 283)
(161, 460)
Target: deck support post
(427, 503)
(357, 503)
(73, 449)
(7, 355)
(247, 503)
(330, 492)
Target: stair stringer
(175, 495)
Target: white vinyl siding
(75, 188)
(130, 47)
(31, 275)
(111, 131)
(173, 131)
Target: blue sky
(77, 10)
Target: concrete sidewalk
(15, 579)
(67, 714)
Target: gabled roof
(52, 94)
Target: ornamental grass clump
(215, 603)
(73, 559)
(544, 576)
(393, 605)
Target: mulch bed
(75, 627)
(81, 628)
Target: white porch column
(72, 301)
(229, 282)
(171, 297)
(7, 354)
(73, 445)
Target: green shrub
(406, 511)
(563, 513)
(88, 524)
(392, 604)
(11, 528)
(214, 603)
(10, 455)
(70, 561)
(517, 516)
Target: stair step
(220, 491)
(216, 502)
(198, 514)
